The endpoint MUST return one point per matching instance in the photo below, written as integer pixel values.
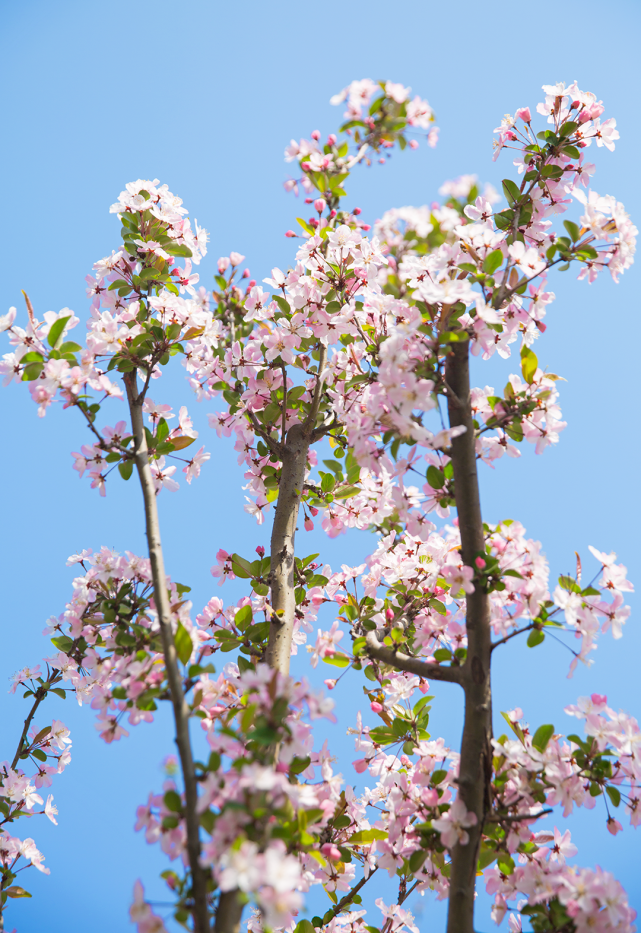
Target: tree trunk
(476, 748)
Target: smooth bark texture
(283, 600)
(476, 749)
(282, 548)
(163, 609)
(228, 912)
(403, 662)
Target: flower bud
(223, 264)
(260, 550)
(290, 233)
(413, 143)
(309, 524)
(331, 139)
(245, 273)
(480, 563)
(320, 204)
(316, 135)
(376, 707)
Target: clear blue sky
(205, 96)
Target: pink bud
(356, 211)
(424, 686)
(313, 511)
(480, 563)
(523, 113)
(236, 258)
(308, 200)
(320, 204)
(413, 143)
(614, 826)
(598, 699)
(366, 227)
(260, 550)
(331, 139)
(246, 273)
(305, 166)
(376, 707)
(360, 765)
(331, 852)
(290, 233)
(332, 215)
(223, 264)
(389, 614)
(316, 135)
(541, 326)
(330, 684)
(309, 524)
(312, 222)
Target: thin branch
(163, 609)
(284, 427)
(313, 411)
(40, 694)
(350, 895)
(519, 631)
(273, 445)
(518, 817)
(404, 662)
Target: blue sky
(205, 96)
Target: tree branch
(163, 609)
(40, 694)
(350, 896)
(403, 662)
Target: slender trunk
(476, 749)
(282, 548)
(290, 492)
(179, 703)
(229, 912)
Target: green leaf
(126, 468)
(338, 660)
(613, 794)
(535, 638)
(178, 249)
(438, 606)
(572, 228)
(16, 891)
(59, 692)
(344, 492)
(542, 736)
(365, 836)
(62, 643)
(511, 191)
(492, 262)
(243, 616)
(435, 477)
(241, 567)
(328, 482)
(305, 926)
(568, 128)
(32, 371)
(183, 642)
(283, 304)
(173, 801)
(529, 364)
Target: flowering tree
(358, 350)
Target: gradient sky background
(204, 96)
